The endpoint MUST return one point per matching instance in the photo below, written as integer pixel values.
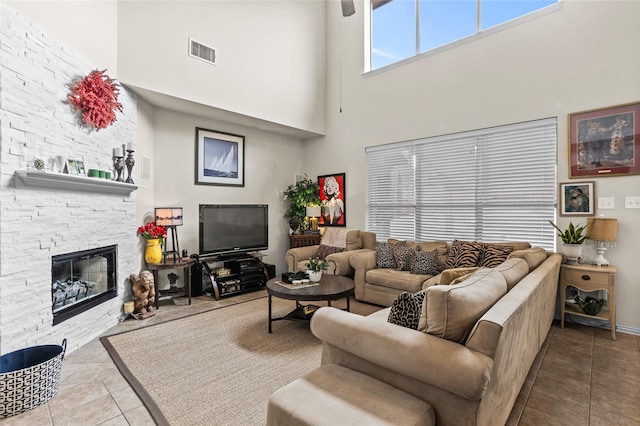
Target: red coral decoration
(96, 98)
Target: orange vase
(153, 252)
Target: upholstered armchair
(336, 247)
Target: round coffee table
(331, 287)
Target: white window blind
(494, 184)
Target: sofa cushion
(384, 255)
(448, 275)
(405, 310)
(534, 256)
(464, 254)
(396, 280)
(324, 251)
(494, 254)
(513, 270)
(452, 311)
(425, 262)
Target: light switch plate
(632, 202)
(606, 203)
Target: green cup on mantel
(93, 173)
(102, 174)
(107, 175)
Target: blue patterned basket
(29, 377)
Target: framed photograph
(605, 142)
(75, 167)
(332, 200)
(219, 158)
(577, 199)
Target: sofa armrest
(361, 263)
(340, 264)
(439, 362)
(295, 255)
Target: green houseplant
(303, 193)
(572, 237)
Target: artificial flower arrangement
(96, 98)
(151, 231)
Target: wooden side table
(171, 263)
(304, 240)
(589, 278)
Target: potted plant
(315, 266)
(572, 239)
(303, 193)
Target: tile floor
(580, 377)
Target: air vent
(201, 51)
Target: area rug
(217, 367)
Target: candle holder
(118, 166)
(130, 162)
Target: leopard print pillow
(384, 256)
(406, 309)
(403, 256)
(425, 263)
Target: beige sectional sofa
(472, 376)
(339, 263)
(381, 286)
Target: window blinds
(495, 184)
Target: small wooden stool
(334, 395)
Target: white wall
(271, 162)
(89, 26)
(583, 56)
(270, 56)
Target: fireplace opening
(82, 280)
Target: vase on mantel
(153, 252)
(572, 252)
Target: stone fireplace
(42, 222)
(81, 280)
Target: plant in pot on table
(155, 235)
(572, 239)
(303, 193)
(315, 266)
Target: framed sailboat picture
(219, 158)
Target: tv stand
(235, 273)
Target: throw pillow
(324, 251)
(448, 275)
(425, 263)
(402, 255)
(494, 255)
(384, 256)
(453, 310)
(464, 254)
(405, 310)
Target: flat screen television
(233, 228)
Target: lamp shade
(168, 216)
(602, 229)
(313, 211)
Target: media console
(232, 274)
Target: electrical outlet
(606, 203)
(632, 202)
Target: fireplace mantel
(65, 181)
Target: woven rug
(218, 367)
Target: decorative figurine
(144, 293)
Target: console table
(172, 263)
(304, 240)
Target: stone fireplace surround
(36, 223)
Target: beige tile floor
(580, 377)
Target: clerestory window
(401, 29)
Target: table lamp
(170, 217)
(313, 212)
(603, 232)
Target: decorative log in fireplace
(82, 280)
